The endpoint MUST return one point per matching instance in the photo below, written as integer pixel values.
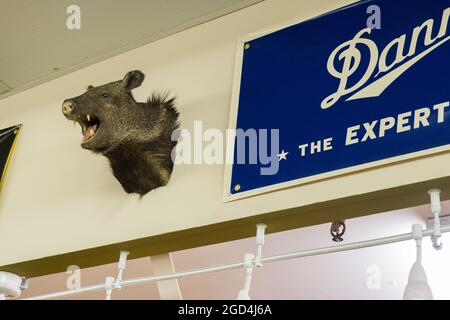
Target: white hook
(248, 265)
(109, 281)
(121, 266)
(260, 240)
(436, 209)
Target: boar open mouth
(89, 126)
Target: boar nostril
(67, 107)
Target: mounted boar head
(134, 136)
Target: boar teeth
(88, 118)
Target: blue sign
(360, 86)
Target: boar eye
(106, 94)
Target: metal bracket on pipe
(11, 285)
(121, 266)
(436, 209)
(260, 240)
(251, 261)
(337, 230)
(248, 265)
(109, 282)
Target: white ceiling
(334, 276)
(36, 45)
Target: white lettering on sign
(350, 56)
(316, 147)
(403, 122)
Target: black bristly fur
(151, 160)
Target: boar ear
(133, 79)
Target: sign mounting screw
(237, 187)
(247, 46)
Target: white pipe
(292, 255)
(136, 281)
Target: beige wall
(58, 198)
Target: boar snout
(68, 106)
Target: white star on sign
(282, 155)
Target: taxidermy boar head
(134, 136)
